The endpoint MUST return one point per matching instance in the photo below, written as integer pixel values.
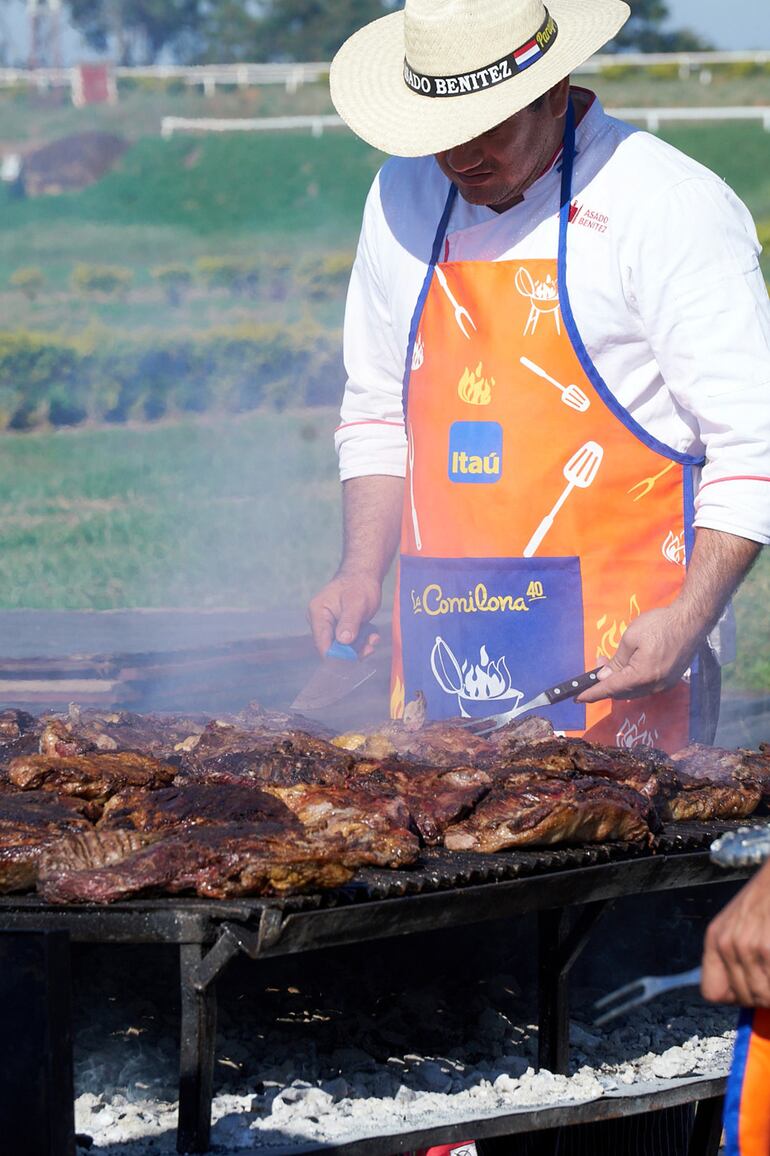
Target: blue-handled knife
(339, 672)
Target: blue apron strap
(438, 241)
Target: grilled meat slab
(94, 776)
(214, 862)
(226, 754)
(531, 813)
(373, 831)
(194, 803)
(434, 796)
(30, 821)
(714, 784)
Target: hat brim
(369, 92)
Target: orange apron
(539, 517)
(747, 1114)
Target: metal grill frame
(568, 888)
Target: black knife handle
(572, 686)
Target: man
(736, 969)
(557, 341)
(558, 333)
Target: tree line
(233, 31)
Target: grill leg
(196, 1055)
(560, 942)
(37, 1114)
(553, 994)
(707, 1129)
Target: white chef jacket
(665, 287)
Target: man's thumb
(348, 626)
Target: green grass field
(239, 512)
(233, 513)
(229, 513)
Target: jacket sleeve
(703, 304)
(370, 438)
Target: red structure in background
(93, 84)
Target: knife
(555, 694)
(339, 672)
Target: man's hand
(371, 508)
(653, 654)
(658, 646)
(736, 956)
(340, 609)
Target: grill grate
(438, 869)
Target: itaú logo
(476, 452)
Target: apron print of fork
(461, 313)
(579, 471)
(571, 395)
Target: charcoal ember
(370, 830)
(194, 803)
(214, 862)
(94, 776)
(30, 821)
(434, 796)
(537, 813)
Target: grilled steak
(93, 776)
(30, 821)
(225, 754)
(441, 744)
(372, 831)
(757, 763)
(184, 806)
(714, 784)
(157, 735)
(434, 796)
(531, 813)
(215, 862)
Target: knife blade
(339, 673)
(555, 694)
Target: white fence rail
(292, 76)
(653, 117)
(171, 124)
(650, 117)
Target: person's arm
(736, 954)
(658, 646)
(372, 522)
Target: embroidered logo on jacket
(476, 451)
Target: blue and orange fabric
(747, 1104)
(539, 518)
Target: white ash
(309, 1074)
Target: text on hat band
(492, 74)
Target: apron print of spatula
(579, 472)
(571, 395)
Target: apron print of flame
(485, 680)
(636, 734)
(474, 388)
(674, 548)
(610, 639)
(397, 699)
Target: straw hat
(444, 71)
